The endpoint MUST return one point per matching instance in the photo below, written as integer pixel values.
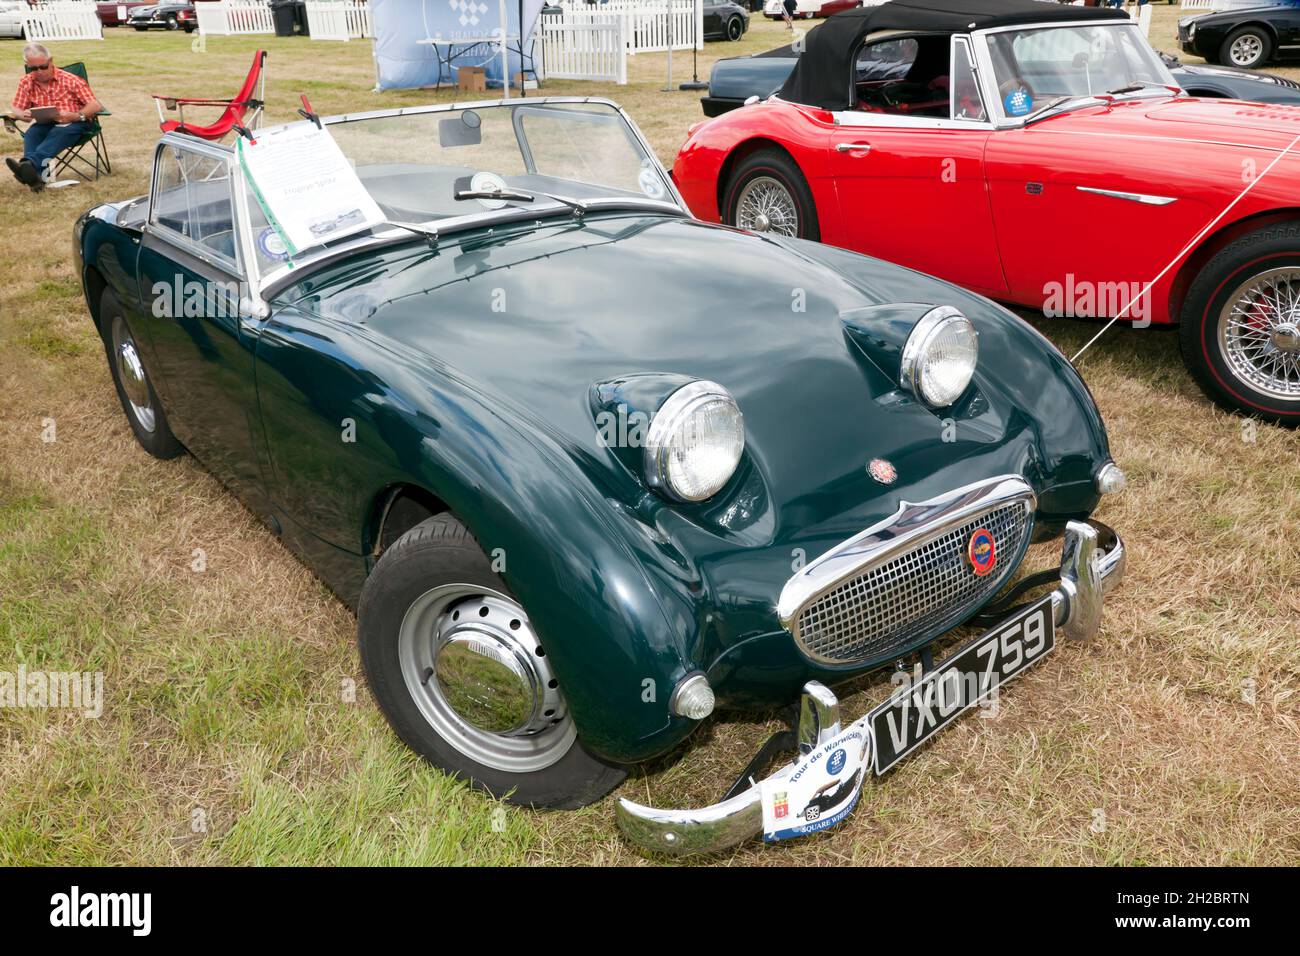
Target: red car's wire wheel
(764, 204)
(1259, 333)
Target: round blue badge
(836, 762)
(1018, 102)
(271, 245)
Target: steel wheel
(479, 676)
(765, 205)
(1259, 333)
(135, 383)
(1247, 50)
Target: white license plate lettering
(906, 720)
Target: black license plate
(912, 715)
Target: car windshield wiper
(427, 231)
(1138, 86)
(578, 206)
(1064, 102)
(1058, 104)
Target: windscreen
(414, 164)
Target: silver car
(11, 17)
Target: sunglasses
(43, 66)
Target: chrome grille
(899, 601)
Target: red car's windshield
(1036, 67)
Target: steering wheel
(894, 95)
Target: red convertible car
(1041, 155)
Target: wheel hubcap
(1259, 333)
(765, 205)
(131, 374)
(1246, 50)
(480, 677)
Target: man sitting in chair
(74, 106)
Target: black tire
(1265, 47)
(441, 550)
(1273, 247)
(735, 29)
(812, 813)
(189, 29)
(172, 24)
(777, 165)
(158, 441)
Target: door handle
(852, 147)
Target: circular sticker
(650, 183)
(1018, 102)
(271, 245)
(982, 552)
(488, 182)
(836, 762)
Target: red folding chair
(244, 103)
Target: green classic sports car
(587, 467)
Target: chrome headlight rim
(676, 410)
(923, 334)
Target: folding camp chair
(233, 117)
(88, 156)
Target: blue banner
(403, 63)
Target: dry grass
(228, 735)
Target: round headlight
(695, 442)
(939, 357)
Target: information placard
(305, 185)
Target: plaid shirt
(66, 91)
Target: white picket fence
(1217, 5)
(651, 22)
(63, 20)
(338, 19)
(234, 18)
(577, 45)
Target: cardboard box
(519, 83)
(472, 78)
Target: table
(470, 47)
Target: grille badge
(982, 552)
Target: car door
(712, 19)
(1083, 218)
(1287, 24)
(909, 166)
(198, 315)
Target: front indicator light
(693, 698)
(1111, 479)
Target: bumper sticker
(820, 791)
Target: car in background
(1245, 38)
(164, 16)
(808, 9)
(118, 14)
(735, 79)
(724, 20)
(946, 135)
(11, 18)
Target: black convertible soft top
(821, 75)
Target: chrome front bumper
(1092, 563)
